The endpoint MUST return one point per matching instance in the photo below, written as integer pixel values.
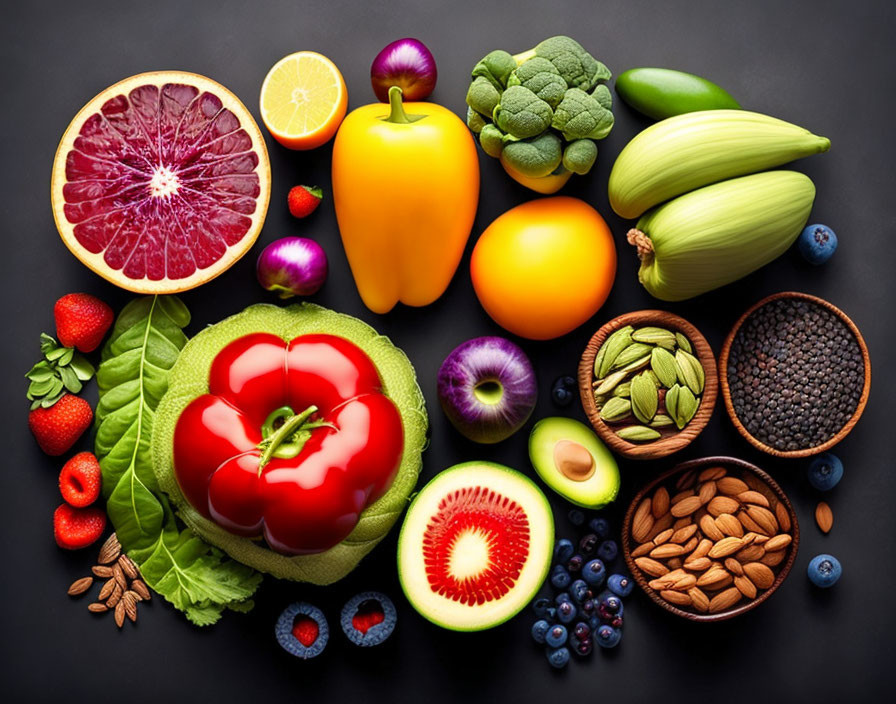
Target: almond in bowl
(711, 538)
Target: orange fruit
(544, 267)
(303, 100)
(161, 182)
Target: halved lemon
(303, 100)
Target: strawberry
(80, 480)
(303, 200)
(58, 427)
(76, 528)
(82, 321)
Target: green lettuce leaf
(132, 378)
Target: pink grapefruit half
(161, 182)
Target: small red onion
(292, 266)
(405, 63)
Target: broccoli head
(475, 121)
(580, 116)
(492, 140)
(495, 66)
(579, 156)
(522, 114)
(536, 157)
(482, 96)
(602, 95)
(542, 78)
(577, 67)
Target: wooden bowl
(672, 439)
(700, 464)
(726, 391)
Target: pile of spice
(795, 374)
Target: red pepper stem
(283, 433)
(397, 115)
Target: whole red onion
(292, 266)
(405, 63)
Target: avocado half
(475, 546)
(189, 379)
(572, 460)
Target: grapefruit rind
(442, 610)
(189, 379)
(95, 261)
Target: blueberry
(560, 577)
(302, 630)
(583, 648)
(576, 517)
(817, 243)
(368, 619)
(607, 636)
(563, 550)
(579, 591)
(566, 612)
(582, 630)
(561, 597)
(556, 636)
(594, 572)
(610, 602)
(825, 471)
(564, 390)
(575, 564)
(539, 630)
(608, 550)
(620, 584)
(588, 607)
(600, 526)
(588, 544)
(558, 657)
(540, 606)
(615, 622)
(824, 571)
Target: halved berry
(302, 630)
(368, 619)
(80, 480)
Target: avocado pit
(573, 460)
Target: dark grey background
(827, 66)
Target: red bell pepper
(292, 442)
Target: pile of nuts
(123, 587)
(712, 544)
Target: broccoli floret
(522, 114)
(578, 68)
(492, 140)
(495, 66)
(580, 115)
(542, 78)
(535, 157)
(475, 121)
(602, 95)
(482, 96)
(579, 156)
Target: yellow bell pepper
(405, 188)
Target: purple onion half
(292, 266)
(487, 388)
(405, 63)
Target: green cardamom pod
(632, 353)
(671, 400)
(616, 409)
(623, 390)
(662, 362)
(653, 377)
(637, 365)
(609, 383)
(686, 408)
(638, 433)
(661, 420)
(645, 398)
(608, 352)
(684, 343)
(690, 371)
(655, 336)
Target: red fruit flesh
(82, 321)
(76, 528)
(162, 181)
(80, 480)
(58, 427)
(369, 614)
(305, 630)
(499, 522)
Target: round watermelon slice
(475, 546)
(161, 182)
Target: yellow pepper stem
(397, 115)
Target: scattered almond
(686, 506)
(660, 504)
(707, 491)
(663, 537)
(684, 583)
(79, 586)
(682, 535)
(726, 546)
(712, 473)
(764, 518)
(748, 522)
(102, 571)
(724, 600)
(141, 589)
(698, 564)
(783, 517)
(729, 525)
(128, 567)
(677, 598)
(780, 541)
(119, 576)
(651, 567)
(732, 486)
(642, 521)
(699, 600)
(702, 548)
(119, 614)
(129, 599)
(97, 608)
(110, 550)
(745, 587)
(722, 504)
(667, 550)
(115, 596)
(824, 517)
(750, 553)
(733, 566)
(107, 589)
(772, 558)
(761, 575)
(643, 549)
(752, 497)
(710, 529)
